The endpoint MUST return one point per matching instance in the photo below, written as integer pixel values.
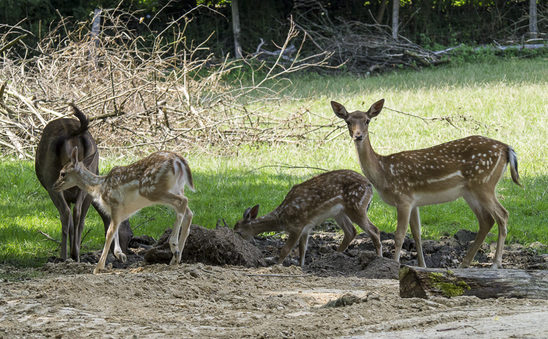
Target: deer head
(244, 226)
(70, 173)
(357, 121)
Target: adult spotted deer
(59, 138)
(159, 178)
(344, 195)
(470, 168)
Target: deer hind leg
(66, 219)
(111, 233)
(500, 214)
(79, 213)
(183, 236)
(350, 232)
(118, 253)
(374, 233)
(180, 205)
(485, 221)
(289, 244)
(303, 244)
(404, 212)
(415, 223)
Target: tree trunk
(482, 283)
(380, 13)
(395, 18)
(533, 28)
(95, 30)
(236, 29)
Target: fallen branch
(48, 237)
(286, 166)
(483, 283)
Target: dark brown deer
(158, 179)
(470, 168)
(59, 138)
(343, 194)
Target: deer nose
(358, 137)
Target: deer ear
(254, 212)
(74, 155)
(375, 108)
(339, 110)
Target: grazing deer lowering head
(344, 195)
(470, 168)
(59, 138)
(159, 178)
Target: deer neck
(91, 183)
(267, 223)
(370, 162)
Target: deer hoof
(121, 256)
(174, 259)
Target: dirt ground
(229, 288)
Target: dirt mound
(220, 246)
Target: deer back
(58, 139)
(324, 196)
(150, 177)
(474, 160)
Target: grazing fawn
(59, 138)
(344, 195)
(159, 178)
(470, 168)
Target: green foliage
(488, 54)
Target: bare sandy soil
(205, 300)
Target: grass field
(505, 100)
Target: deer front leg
(415, 222)
(112, 230)
(403, 220)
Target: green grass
(504, 100)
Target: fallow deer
(59, 138)
(470, 168)
(343, 194)
(158, 179)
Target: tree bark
(380, 13)
(236, 29)
(395, 18)
(533, 28)
(482, 283)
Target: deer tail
(513, 161)
(84, 122)
(187, 174)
